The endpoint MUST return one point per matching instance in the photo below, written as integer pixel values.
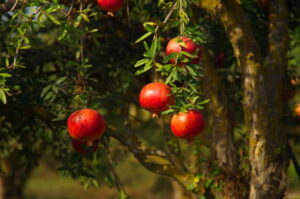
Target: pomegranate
(187, 125)
(83, 148)
(189, 46)
(86, 125)
(297, 110)
(110, 5)
(156, 97)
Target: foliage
(60, 56)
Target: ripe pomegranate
(294, 81)
(83, 148)
(174, 46)
(110, 5)
(187, 125)
(86, 125)
(156, 97)
(297, 110)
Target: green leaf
(168, 111)
(6, 61)
(85, 17)
(52, 9)
(60, 80)
(172, 77)
(204, 101)
(25, 47)
(45, 90)
(191, 71)
(147, 67)
(146, 46)
(3, 97)
(53, 19)
(143, 37)
(149, 26)
(169, 57)
(5, 75)
(153, 47)
(141, 62)
(122, 195)
(189, 54)
(93, 30)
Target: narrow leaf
(143, 37)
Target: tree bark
(15, 176)
(262, 96)
(221, 127)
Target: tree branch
(153, 159)
(9, 6)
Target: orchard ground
(47, 183)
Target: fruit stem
(110, 14)
(89, 143)
(190, 141)
(155, 115)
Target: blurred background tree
(61, 56)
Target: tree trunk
(222, 130)
(262, 96)
(15, 176)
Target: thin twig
(71, 8)
(111, 167)
(166, 19)
(14, 6)
(294, 159)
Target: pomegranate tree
(187, 125)
(110, 5)
(156, 97)
(83, 147)
(179, 44)
(86, 125)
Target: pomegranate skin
(110, 5)
(297, 110)
(174, 47)
(86, 125)
(83, 148)
(156, 97)
(187, 125)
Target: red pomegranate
(297, 110)
(156, 97)
(110, 5)
(83, 148)
(187, 125)
(175, 46)
(86, 125)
